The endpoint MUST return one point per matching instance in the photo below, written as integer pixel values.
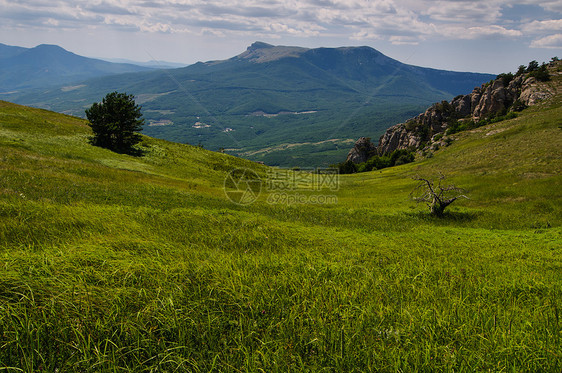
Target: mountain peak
(260, 52)
(51, 47)
(259, 45)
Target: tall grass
(117, 263)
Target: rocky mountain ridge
(504, 94)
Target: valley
(341, 93)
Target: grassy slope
(111, 262)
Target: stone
(362, 150)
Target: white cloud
(539, 26)
(396, 21)
(403, 40)
(490, 31)
(550, 42)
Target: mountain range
(50, 65)
(285, 106)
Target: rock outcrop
(362, 150)
(494, 98)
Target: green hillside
(118, 263)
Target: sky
(491, 36)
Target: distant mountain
(152, 64)
(51, 65)
(287, 106)
(7, 51)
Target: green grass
(116, 263)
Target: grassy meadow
(114, 263)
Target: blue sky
(485, 36)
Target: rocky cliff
(362, 150)
(498, 97)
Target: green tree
(541, 73)
(522, 70)
(116, 122)
(533, 65)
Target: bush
(376, 162)
(541, 73)
(460, 126)
(518, 105)
(405, 158)
(533, 66)
(505, 78)
(347, 167)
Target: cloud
(464, 11)
(396, 21)
(490, 31)
(549, 5)
(105, 7)
(403, 40)
(540, 26)
(550, 42)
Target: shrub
(404, 158)
(402, 155)
(518, 105)
(541, 73)
(533, 65)
(505, 78)
(376, 162)
(347, 167)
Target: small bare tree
(435, 195)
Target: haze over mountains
(50, 65)
(287, 106)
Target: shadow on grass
(135, 150)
